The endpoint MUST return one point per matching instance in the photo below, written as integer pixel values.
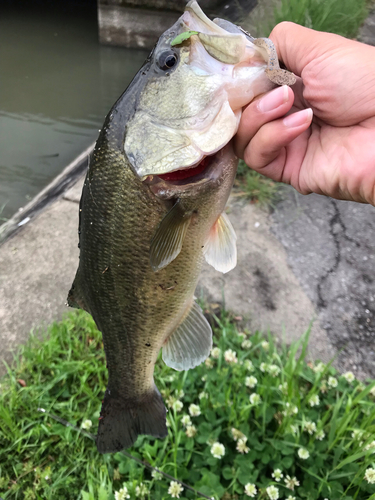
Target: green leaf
(287, 462)
(227, 472)
(182, 37)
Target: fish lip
(210, 175)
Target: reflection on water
(57, 85)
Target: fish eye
(167, 60)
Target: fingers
(267, 153)
(269, 107)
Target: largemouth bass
(152, 209)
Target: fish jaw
(204, 178)
(207, 96)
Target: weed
(253, 420)
(256, 187)
(343, 17)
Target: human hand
(334, 153)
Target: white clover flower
(332, 382)
(263, 367)
(204, 378)
(291, 482)
(370, 446)
(349, 376)
(272, 492)
(265, 345)
(122, 494)
(217, 450)
(246, 344)
(284, 388)
(314, 400)
(179, 394)
(230, 356)
(290, 497)
(194, 410)
(372, 391)
(237, 434)
(191, 431)
(250, 490)
(290, 410)
(370, 475)
(156, 475)
(202, 395)
(303, 453)
(294, 429)
(323, 386)
(186, 420)
(309, 427)
(248, 365)
(320, 435)
(251, 382)
(277, 475)
(178, 405)
(175, 489)
(141, 490)
(170, 401)
(209, 363)
(86, 425)
(241, 446)
(357, 433)
(215, 352)
(274, 370)
(254, 399)
(319, 368)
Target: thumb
(297, 46)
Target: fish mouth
(189, 174)
(208, 171)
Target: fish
(153, 209)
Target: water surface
(56, 86)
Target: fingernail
(298, 119)
(274, 99)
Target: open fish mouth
(192, 173)
(208, 170)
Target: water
(56, 86)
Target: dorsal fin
(220, 250)
(191, 343)
(169, 237)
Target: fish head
(200, 75)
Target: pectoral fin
(220, 250)
(169, 237)
(191, 343)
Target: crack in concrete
(336, 220)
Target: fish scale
(143, 238)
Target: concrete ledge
(50, 193)
(135, 28)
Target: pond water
(57, 85)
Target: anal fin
(169, 237)
(191, 343)
(75, 295)
(220, 250)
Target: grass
(303, 419)
(343, 17)
(256, 187)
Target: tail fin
(123, 420)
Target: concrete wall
(139, 23)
